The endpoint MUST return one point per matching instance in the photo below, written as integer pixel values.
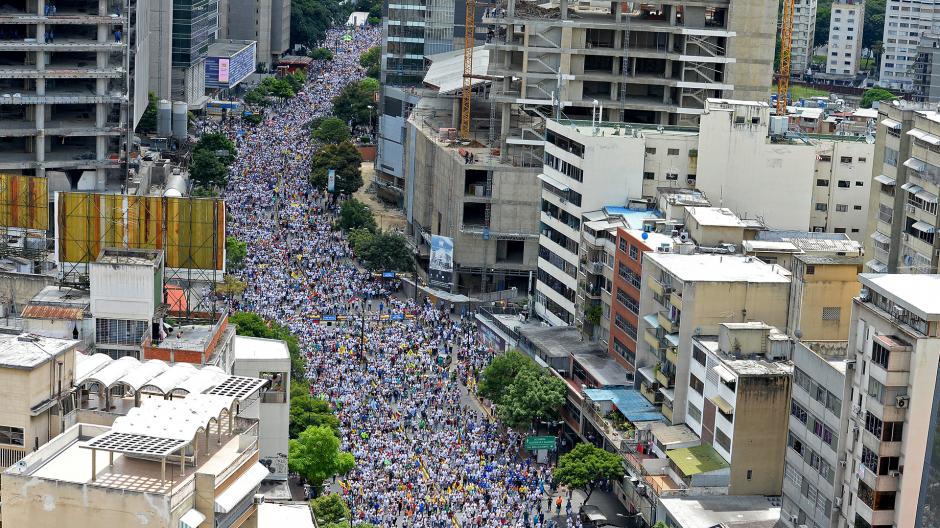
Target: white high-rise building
(845, 37)
(905, 22)
(804, 31)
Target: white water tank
(175, 185)
(164, 110)
(180, 119)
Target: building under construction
(633, 62)
(65, 85)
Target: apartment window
(825, 157)
(792, 474)
(624, 352)
(622, 244)
(634, 252)
(695, 412)
(888, 464)
(856, 207)
(696, 384)
(794, 443)
(651, 150)
(831, 313)
(698, 355)
(879, 354)
(842, 208)
(869, 459)
(822, 183)
(893, 431)
(798, 412)
(120, 331)
(876, 390)
(722, 439)
(11, 435)
(627, 301)
(629, 275)
(810, 270)
(862, 159)
(844, 184)
(845, 159)
(891, 156)
(859, 184)
(649, 176)
(821, 207)
(625, 325)
(672, 176)
(672, 152)
(873, 424)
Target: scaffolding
(190, 232)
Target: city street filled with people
(394, 368)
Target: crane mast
(786, 43)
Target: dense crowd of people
(426, 456)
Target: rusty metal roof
(52, 312)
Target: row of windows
(882, 466)
(812, 458)
(819, 393)
(11, 435)
(884, 431)
(120, 331)
(565, 144)
(626, 326)
(628, 301)
(628, 275)
(814, 424)
(564, 167)
(624, 351)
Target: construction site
(64, 85)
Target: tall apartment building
(804, 31)
(683, 296)
(846, 22)
(907, 169)
(656, 63)
(926, 78)
(69, 96)
(624, 309)
(267, 22)
(892, 455)
(819, 414)
(821, 292)
(905, 23)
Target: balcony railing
(672, 355)
(273, 397)
(665, 379)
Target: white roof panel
(86, 365)
(172, 378)
(446, 70)
(114, 371)
(139, 377)
(202, 380)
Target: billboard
(441, 267)
(191, 231)
(24, 202)
(331, 180)
(223, 71)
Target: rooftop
(715, 216)
(631, 404)
(228, 47)
(626, 130)
(718, 268)
(811, 242)
(752, 511)
(271, 515)
(674, 434)
(771, 246)
(62, 296)
(822, 260)
(602, 368)
(652, 239)
(259, 348)
(134, 257)
(27, 351)
(918, 293)
(557, 341)
(697, 459)
(633, 217)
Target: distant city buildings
(906, 21)
(846, 23)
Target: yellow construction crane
(786, 42)
(468, 41)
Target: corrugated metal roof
(52, 312)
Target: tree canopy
(207, 170)
(305, 410)
(310, 19)
(354, 214)
(387, 252)
(342, 157)
(876, 94)
(352, 103)
(533, 395)
(585, 466)
(499, 374)
(235, 253)
(371, 60)
(331, 130)
(329, 509)
(315, 455)
(321, 54)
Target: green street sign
(540, 442)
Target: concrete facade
(846, 23)
(686, 295)
(804, 31)
(820, 395)
(266, 21)
(70, 98)
(821, 294)
(905, 23)
(927, 69)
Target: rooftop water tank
(164, 110)
(180, 119)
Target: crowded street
(427, 455)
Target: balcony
(676, 300)
(667, 412)
(656, 287)
(672, 355)
(670, 326)
(664, 378)
(651, 339)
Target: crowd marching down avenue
(426, 455)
